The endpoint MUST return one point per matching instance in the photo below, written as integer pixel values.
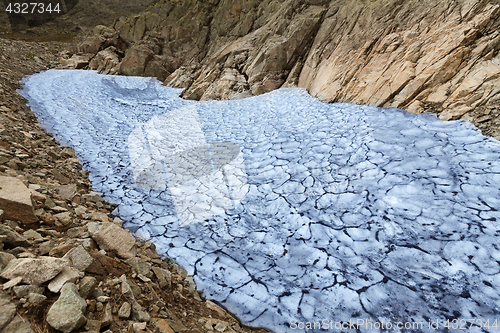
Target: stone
(36, 298)
(75, 232)
(26, 254)
(125, 288)
(25, 290)
(104, 265)
(164, 277)
(64, 218)
(163, 326)
(138, 313)
(140, 266)
(49, 203)
(80, 210)
(176, 326)
(124, 311)
(14, 282)
(8, 309)
(139, 327)
(68, 274)
(32, 234)
(111, 237)
(79, 258)
(18, 325)
(37, 196)
(99, 216)
(67, 313)
(93, 227)
(34, 271)
(92, 197)
(220, 327)
(106, 61)
(103, 299)
(107, 317)
(220, 311)
(59, 209)
(67, 191)
(5, 258)
(135, 60)
(87, 285)
(13, 238)
(78, 61)
(93, 326)
(16, 201)
(61, 249)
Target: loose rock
(15, 200)
(34, 271)
(67, 313)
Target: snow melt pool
(313, 212)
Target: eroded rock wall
(413, 55)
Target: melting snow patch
(289, 211)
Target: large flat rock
(34, 271)
(15, 200)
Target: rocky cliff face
(415, 55)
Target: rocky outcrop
(415, 53)
(438, 55)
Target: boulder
(163, 326)
(67, 191)
(34, 271)
(5, 258)
(79, 258)
(8, 310)
(137, 312)
(64, 218)
(77, 61)
(135, 60)
(124, 311)
(14, 282)
(164, 277)
(140, 266)
(106, 61)
(36, 298)
(16, 201)
(13, 238)
(25, 290)
(67, 313)
(87, 285)
(111, 237)
(104, 265)
(18, 325)
(68, 274)
(107, 317)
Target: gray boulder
(68, 312)
(18, 325)
(12, 238)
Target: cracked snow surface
(352, 212)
